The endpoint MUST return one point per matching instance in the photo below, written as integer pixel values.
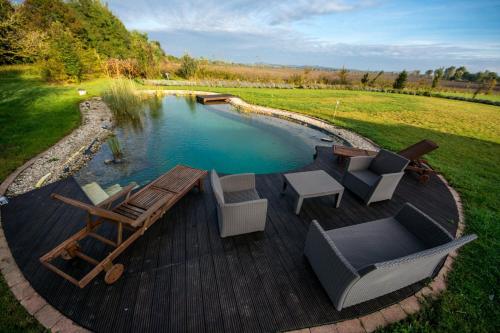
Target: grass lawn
(491, 97)
(34, 115)
(469, 157)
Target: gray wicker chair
(240, 210)
(364, 261)
(375, 178)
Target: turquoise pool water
(177, 130)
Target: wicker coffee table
(311, 184)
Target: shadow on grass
(33, 116)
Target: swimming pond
(177, 130)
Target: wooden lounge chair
(414, 153)
(137, 212)
(343, 152)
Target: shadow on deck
(181, 276)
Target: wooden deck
(181, 276)
(213, 99)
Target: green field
(34, 115)
(490, 97)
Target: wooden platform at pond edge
(181, 276)
(213, 99)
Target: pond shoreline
(69, 154)
(73, 152)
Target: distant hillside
(73, 39)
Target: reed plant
(115, 147)
(125, 103)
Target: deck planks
(181, 276)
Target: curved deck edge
(55, 321)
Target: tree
(6, 9)
(10, 47)
(429, 72)
(438, 74)
(459, 73)
(365, 79)
(487, 82)
(189, 66)
(40, 14)
(101, 30)
(400, 81)
(64, 57)
(372, 82)
(343, 76)
(449, 73)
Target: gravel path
(72, 152)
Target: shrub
(400, 81)
(189, 67)
(63, 56)
(343, 76)
(379, 74)
(438, 74)
(365, 79)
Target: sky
(358, 34)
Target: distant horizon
(366, 35)
(422, 71)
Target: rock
(60, 160)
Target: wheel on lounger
(113, 274)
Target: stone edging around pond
(55, 321)
(69, 154)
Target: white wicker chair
(240, 210)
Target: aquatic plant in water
(115, 147)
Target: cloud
(231, 16)
(266, 31)
(301, 10)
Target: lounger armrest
(239, 182)
(423, 226)
(93, 210)
(124, 192)
(358, 163)
(335, 273)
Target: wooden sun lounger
(343, 152)
(417, 164)
(137, 212)
(414, 153)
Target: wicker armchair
(375, 178)
(365, 261)
(240, 210)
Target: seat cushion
(373, 242)
(241, 196)
(366, 176)
(360, 182)
(387, 162)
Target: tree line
(69, 40)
